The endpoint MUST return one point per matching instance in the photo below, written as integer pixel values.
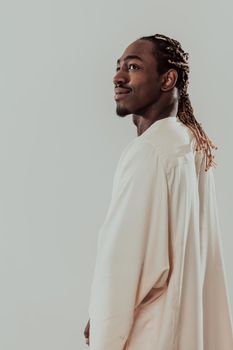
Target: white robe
(159, 280)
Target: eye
(132, 64)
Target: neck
(144, 122)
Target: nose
(120, 77)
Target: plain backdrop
(60, 140)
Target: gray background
(60, 141)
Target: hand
(87, 332)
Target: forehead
(140, 48)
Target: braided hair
(169, 54)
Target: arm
(86, 332)
(127, 265)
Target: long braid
(169, 54)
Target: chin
(122, 111)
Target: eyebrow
(129, 57)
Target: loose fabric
(159, 281)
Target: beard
(122, 111)
(136, 109)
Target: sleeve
(132, 252)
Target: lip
(120, 90)
(121, 93)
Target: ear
(169, 80)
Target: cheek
(148, 88)
(147, 92)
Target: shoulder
(140, 167)
(174, 143)
(165, 145)
(139, 156)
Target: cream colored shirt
(159, 281)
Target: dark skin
(150, 96)
(87, 332)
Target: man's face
(138, 79)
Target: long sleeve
(132, 252)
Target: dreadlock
(169, 54)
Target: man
(159, 281)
